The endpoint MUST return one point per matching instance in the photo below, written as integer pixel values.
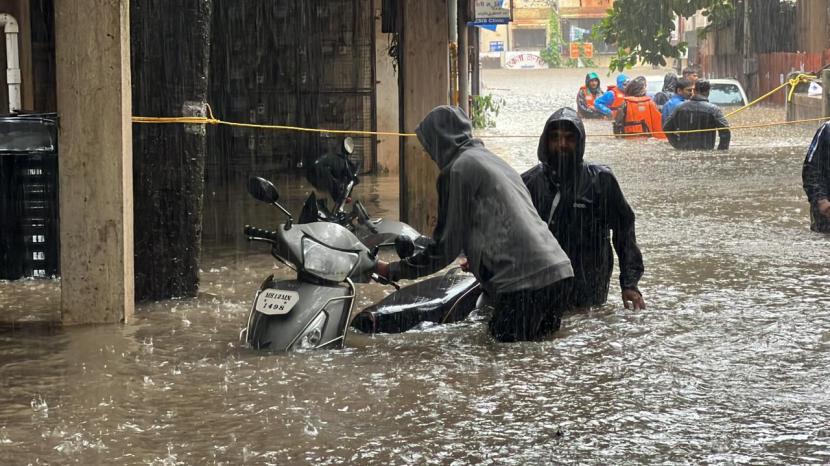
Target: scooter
(373, 232)
(441, 299)
(312, 311)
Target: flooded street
(728, 365)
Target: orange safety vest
(642, 116)
(619, 97)
(589, 96)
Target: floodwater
(728, 365)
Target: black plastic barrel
(29, 243)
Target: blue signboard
(496, 46)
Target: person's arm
(724, 135)
(621, 220)
(603, 102)
(815, 186)
(447, 237)
(582, 105)
(669, 127)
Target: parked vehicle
(334, 174)
(441, 299)
(724, 93)
(312, 310)
(727, 93)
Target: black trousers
(527, 315)
(818, 222)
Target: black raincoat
(697, 113)
(485, 212)
(589, 205)
(816, 177)
(669, 86)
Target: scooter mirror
(348, 145)
(404, 246)
(263, 190)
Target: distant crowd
(680, 112)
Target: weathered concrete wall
(96, 205)
(386, 92)
(424, 57)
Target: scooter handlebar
(260, 233)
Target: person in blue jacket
(682, 92)
(613, 98)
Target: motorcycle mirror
(404, 246)
(348, 145)
(263, 190)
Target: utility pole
(750, 62)
(463, 61)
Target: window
(725, 94)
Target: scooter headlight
(327, 263)
(313, 334)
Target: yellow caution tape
(211, 120)
(792, 82)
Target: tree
(642, 29)
(552, 55)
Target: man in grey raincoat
(485, 212)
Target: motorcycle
(335, 174)
(311, 311)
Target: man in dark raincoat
(581, 203)
(485, 212)
(816, 178)
(669, 85)
(698, 114)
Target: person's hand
(382, 269)
(634, 298)
(824, 207)
(464, 264)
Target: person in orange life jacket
(586, 97)
(638, 114)
(613, 99)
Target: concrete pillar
(92, 53)
(386, 92)
(424, 85)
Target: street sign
(587, 47)
(496, 46)
(492, 12)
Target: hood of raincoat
(443, 132)
(559, 164)
(621, 79)
(637, 87)
(670, 82)
(589, 77)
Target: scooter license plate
(275, 302)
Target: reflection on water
(727, 365)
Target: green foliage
(552, 54)
(642, 28)
(484, 110)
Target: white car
(724, 93)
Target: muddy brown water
(728, 365)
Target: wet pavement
(728, 365)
